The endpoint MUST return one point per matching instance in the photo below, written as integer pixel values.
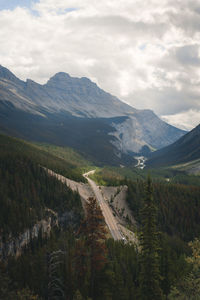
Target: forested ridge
(26, 189)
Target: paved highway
(107, 212)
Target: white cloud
(145, 52)
(186, 120)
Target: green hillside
(64, 161)
(69, 155)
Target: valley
(81, 174)
(99, 150)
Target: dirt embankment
(116, 198)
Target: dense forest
(77, 260)
(27, 191)
(178, 207)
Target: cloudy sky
(145, 52)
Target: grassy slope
(192, 167)
(62, 160)
(69, 155)
(115, 176)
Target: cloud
(186, 120)
(144, 52)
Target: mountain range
(75, 112)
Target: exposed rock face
(144, 128)
(13, 246)
(82, 98)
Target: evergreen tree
(149, 274)
(189, 287)
(93, 228)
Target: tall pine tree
(94, 233)
(149, 274)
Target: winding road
(107, 212)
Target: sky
(147, 53)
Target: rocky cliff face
(81, 98)
(141, 129)
(14, 246)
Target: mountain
(76, 112)
(185, 150)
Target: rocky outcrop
(13, 246)
(142, 129)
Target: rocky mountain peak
(60, 76)
(86, 80)
(130, 129)
(62, 80)
(59, 80)
(8, 75)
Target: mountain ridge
(186, 149)
(81, 98)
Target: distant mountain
(76, 112)
(185, 150)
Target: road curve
(107, 212)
